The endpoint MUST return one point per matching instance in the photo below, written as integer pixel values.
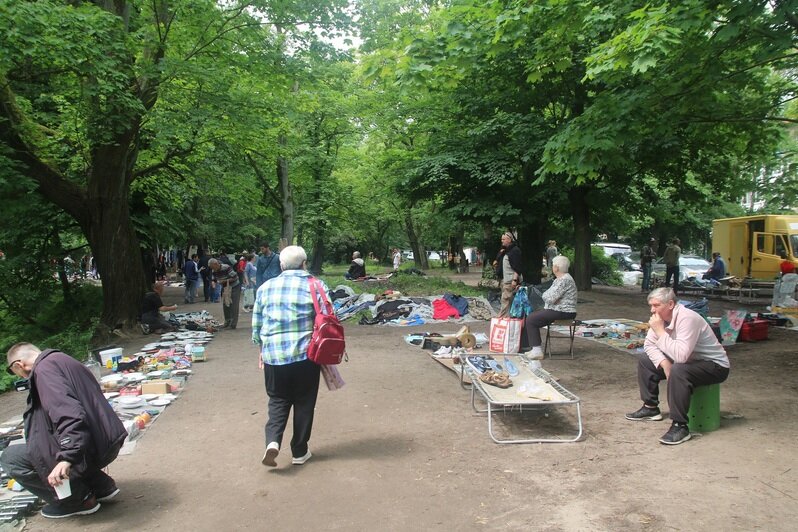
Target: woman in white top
(560, 304)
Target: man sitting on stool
(681, 347)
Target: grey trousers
(231, 311)
(16, 462)
(683, 380)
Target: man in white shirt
(681, 347)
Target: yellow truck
(752, 245)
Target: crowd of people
(72, 433)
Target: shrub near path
(399, 448)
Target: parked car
(626, 263)
(689, 266)
(611, 248)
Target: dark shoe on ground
(58, 511)
(270, 456)
(645, 413)
(107, 496)
(677, 434)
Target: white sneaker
(270, 456)
(302, 459)
(535, 354)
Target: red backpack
(327, 344)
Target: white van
(611, 248)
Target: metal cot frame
(485, 391)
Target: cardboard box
(158, 386)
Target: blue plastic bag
(521, 306)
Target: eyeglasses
(10, 368)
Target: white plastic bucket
(110, 354)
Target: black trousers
(672, 271)
(17, 463)
(292, 385)
(541, 318)
(683, 380)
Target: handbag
(249, 297)
(327, 344)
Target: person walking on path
(282, 324)
(227, 278)
(397, 259)
(508, 269)
(268, 264)
(671, 259)
(71, 433)
(681, 347)
(192, 274)
(647, 257)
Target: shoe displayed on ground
(270, 456)
(677, 434)
(59, 511)
(494, 365)
(478, 364)
(302, 459)
(511, 369)
(645, 413)
(108, 496)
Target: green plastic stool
(704, 413)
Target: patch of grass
(407, 284)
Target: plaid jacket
(282, 318)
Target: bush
(58, 324)
(605, 268)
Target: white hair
(292, 258)
(22, 351)
(663, 295)
(561, 262)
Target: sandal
(500, 380)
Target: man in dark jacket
(71, 433)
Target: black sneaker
(107, 496)
(59, 511)
(676, 434)
(645, 413)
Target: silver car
(689, 266)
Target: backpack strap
(316, 293)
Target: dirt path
(400, 449)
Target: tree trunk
(318, 250)
(583, 263)
(419, 253)
(530, 239)
(286, 196)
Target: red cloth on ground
(441, 310)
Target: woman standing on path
(282, 324)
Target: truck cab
(752, 246)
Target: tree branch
(15, 132)
(264, 180)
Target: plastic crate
(754, 330)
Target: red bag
(327, 344)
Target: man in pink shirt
(680, 347)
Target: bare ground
(399, 448)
